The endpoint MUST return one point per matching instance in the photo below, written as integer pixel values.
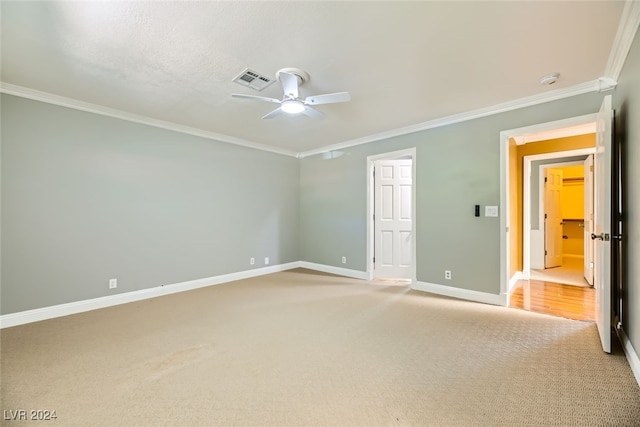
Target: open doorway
(558, 207)
(557, 202)
(603, 231)
(545, 258)
(390, 220)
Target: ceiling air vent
(253, 79)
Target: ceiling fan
(291, 79)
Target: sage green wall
(627, 106)
(458, 166)
(86, 198)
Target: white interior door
(552, 217)
(393, 222)
(588, 219)
(602, 222)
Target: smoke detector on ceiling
(549, 79)
(253, 79)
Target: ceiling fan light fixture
(291, 79)
(292, 107)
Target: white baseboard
(38, 314)
(465, 294)
(335, 270)
(631, 354)
(518, 275)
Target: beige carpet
(303, 349)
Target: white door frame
(409, 152)
(566, 127)
(527, 242)
(589, 210)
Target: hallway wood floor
(571, 302)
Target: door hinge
(545, 216)
(374, 260)
(591, 168)
(545, 252)
(545, 179)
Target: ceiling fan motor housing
(302, 76)
(291, 103)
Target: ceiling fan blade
(310, 112)
(289, 84)
(274, 113)
(329, 98)
(259, 98)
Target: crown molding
(598, 85)
(555, 133)
(49, 98)
(629, 22)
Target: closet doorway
(557, 211)
(553, 285)
(391, 246)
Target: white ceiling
(404, 63)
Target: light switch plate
(491, 211)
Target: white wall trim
(49, 98)
(334, 270)
(460, 293)
(38, 314)
(630, 352)
(528, 134)
(629, 22)
(514, 279)
(597, 85)
(583, 129)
